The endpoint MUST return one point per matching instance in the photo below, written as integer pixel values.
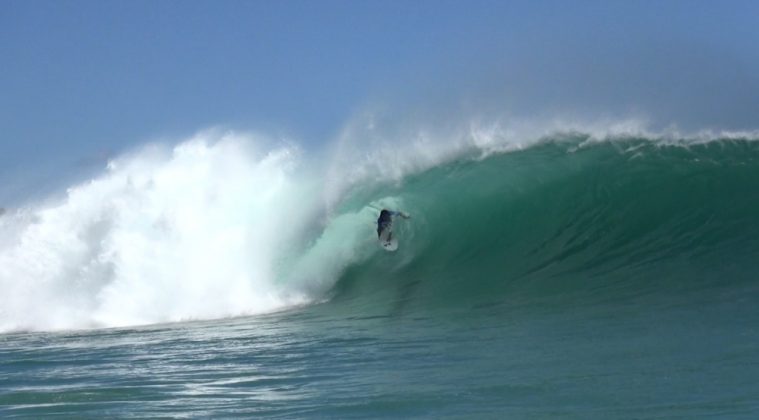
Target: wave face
(217, 227)
(568, 219)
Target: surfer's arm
(399, 213)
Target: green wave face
(564, 222)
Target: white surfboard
(387, 241)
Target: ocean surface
(573, 276)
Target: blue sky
(82, 80)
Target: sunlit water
(641, 359)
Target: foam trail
(195, 232)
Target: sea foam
(210, 228)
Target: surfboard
(387, 241)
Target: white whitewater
(211, 228)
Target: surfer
(385, 221)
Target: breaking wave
(227, 224)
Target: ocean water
(570, 276)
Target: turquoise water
(613, 279)
(685, 356)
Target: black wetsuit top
(384, 221)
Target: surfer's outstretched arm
(400, 213)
